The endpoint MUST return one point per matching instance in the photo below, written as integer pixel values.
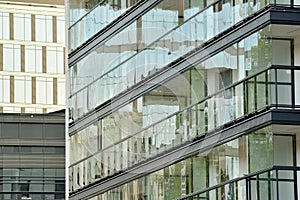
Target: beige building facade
(32, 56)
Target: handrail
(110, 24)
(79, 20)
(145, 48)
(268, 169)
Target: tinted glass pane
(10, 130)
(55, 131)
(31, 131)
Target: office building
(32, 156)
(32, 100)
(32, 65)
(183, 99)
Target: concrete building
(183, 99)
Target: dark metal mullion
(295, 164)
(248, 189)
(277, 184)
(292, 49)
(234, 94)
(276, 90)
(257, 187)
(255, 93)
(269, 185)
(266, 88)
(295, 185)
(293, 87)
(236, 190)
(245, 97)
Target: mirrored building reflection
(183, 99)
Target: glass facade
(32, 59)
(226, 68)
(32, 183)
(258, 150)
(32, 157)
(131, 106)
(114, 80)
(111, 146)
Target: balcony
(269, 183)
(272, 88)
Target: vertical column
(32, 27)
(44, 57)
(11, 25)
(180, 11)
(1, 57)
(55, 91)
(12, 89)
(22, 109)
(33, 90)
(22, 58)
(139, 30)
(65, 67)
(54, 29)
(243, 160)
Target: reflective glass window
(44, 90)
(44, 28)
(11, 57)
(22, 26)
(61, 91)
(4, 88)
(60, 29)
(22, 89)
(4, 26)
(33, 59)
(55, 60)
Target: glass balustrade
(270, 88)
(97, 84)
(267, 184)
(94, 18)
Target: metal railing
(271, 88)
(263, 184)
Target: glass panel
(283, 150)
(19, 89)
(283, 75)
(286, 190)
(216, 76)
(30, 58)
(260, 151)
(297, 82)
(5, 26)
(262, 91)
(40, 27)
(281, 50)
(60, 29)
(264, 186)
(19, 26)
(284, 94)
(11, 57)
(250, 95)
(284, 2)
(155, 22)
